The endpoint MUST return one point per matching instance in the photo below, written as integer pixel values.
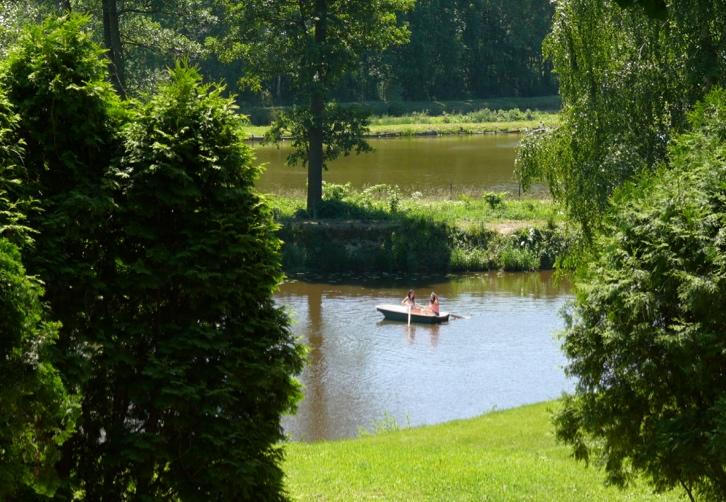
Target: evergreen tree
(37, 414)
(68, 119)
(162, 271)
(202, 365)
(646, 338)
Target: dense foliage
(37, 413)
(475, 49)
(627, 81)
(141, 37)
(646, 336)
(56, 81)
(212, 354)
(160, 261)
(392, 233)
(457, 50)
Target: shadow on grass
(365, 238)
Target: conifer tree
(36, 413)
(206, 357)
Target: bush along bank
(377, 230)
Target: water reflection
(362, 368)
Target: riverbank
(381, 230)
(484, 121)
(503, 456)
(263, 115)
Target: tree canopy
(159, 260)
(457, 49)
(314, 43)
(626, 81)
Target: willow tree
(627, 80)
(313, 43)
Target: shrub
(514, 259)
(494, 199)
(200, 262)
(37, 414)
(333, 191)
(645, 337)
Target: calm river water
(443, 166)
(363, 370)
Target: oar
(409, 314)
(457, 316)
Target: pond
(435, 166)
(363, 371)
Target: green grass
(439, 128)
(379, 229)
(263, 115)
(501, 456)
(423, 123)
(462, 212)
(485, 115)
(468, 210)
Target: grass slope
(500, 456)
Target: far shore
(435, 126)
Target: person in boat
(434, 304)
(410, 299)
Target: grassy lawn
(502, 456)
(481, 122)
(462, 212)
(467, 211)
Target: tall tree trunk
(317, 109)
(112, 41)
(315, 155)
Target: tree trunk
(315, 155)
(317, 109)
(112, 41)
